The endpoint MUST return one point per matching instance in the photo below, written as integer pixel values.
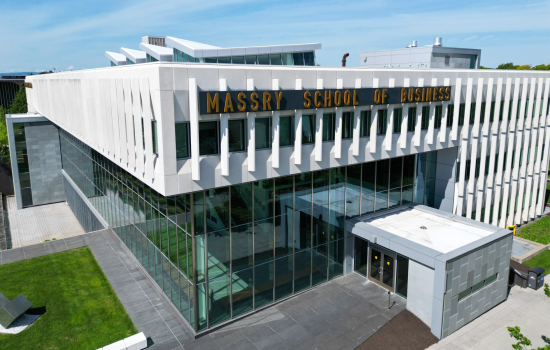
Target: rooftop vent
(438, 41)
(154, 40)
(423, 227)
(413, 44)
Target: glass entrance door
(382, 267)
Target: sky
(41, 35)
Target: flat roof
(446, 236)
(443, 234)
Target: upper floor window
(328, 126)
(411, 120)
(151, 58)
(128, 61)
(308, 129)
(366, 121)
(263, 133)
(347, 122)
(236, 132)
(382, 121)
(397, 119)
(286, 131)
(182, 140)
(208, 136)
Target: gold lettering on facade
(347, 97)
(228, 105)
(384, 95)
(377, 96)
(241, 106)
(337, 98)
(267, 100)
(278, 97)
(403, 95)
(411, 94)
(255, 104)
(212, 103)
(316, 97)
(355, 101)
(447, 93)
(328, 101)
(307, 99)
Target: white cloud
(487, 37)
(70, 67)
(470, 38)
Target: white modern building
(170, 49)
(238, 186)
(422, 57)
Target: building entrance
(382, 267)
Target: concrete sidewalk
(525, 308)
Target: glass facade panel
(236, 131)
(252, 59)
(298, 58)
(308, 129)
(237, 59)
(347, 121)
(208, 136)
(276, 59)
(328, 126)
(182, 140)
(226, 251)
(262, 133)
(309, 58)
(361, 256)
(263, 59)
(286, 127)
(402, 276)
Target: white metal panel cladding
(104, 109)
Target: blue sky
(63, 34)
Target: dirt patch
(519, 267)
(404, 332)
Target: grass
(82, 310)
(538, 231)
(542, 260)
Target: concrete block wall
(464, 272)
(420, 291)
(44, 156)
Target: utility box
(536, 277)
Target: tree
(4, 145)
(523, 341)
(19, 104)
(507, 66)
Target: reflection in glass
(262, 131)
(381, 200)
(402, 276)
(284, 195)
(201, 305)
(263, 241)
(320, 187)
(353, 190)
(382, 174)
(302, 191)
(319, 267)
(395, 172)
(283, 277)
(236, 131)
(283, 235)
(241, 245)
(302, 229)
(199, 259)
(241, 200)
(242, 292)
(361, 254)
(263, 284)
(394, 199)
(408, 170)
(250, 59)
(219, 306)
(328, 126)
(208, 136)
(320, 225)
(217, 208)
(308, 129)
(336, 258)
(302, 273)
(286, 126)
(263, 59)
(263, 199)
(218, 253)
(387, 272)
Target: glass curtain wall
(23, 163)
(156, 229)
(223, 252)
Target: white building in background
(422, 57)
(243, 185)
(170, 49)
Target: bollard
(389, 299)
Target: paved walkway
(526, 308)
(339, 314)
(151, 312)
(36, 224)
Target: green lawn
(82, 310)
(538, 231)
(542, 260)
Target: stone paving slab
(150, 311)
(526, 308)
(33, 225)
